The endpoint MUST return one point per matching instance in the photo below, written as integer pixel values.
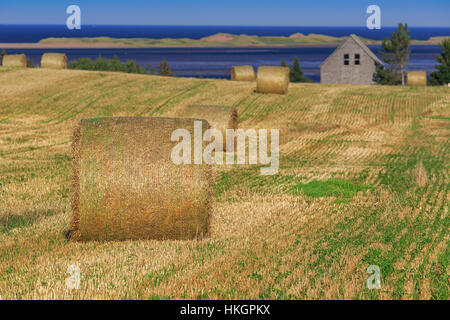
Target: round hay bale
(125, 185)
(218, 117)
(15, 60)
(54, 61)
(272, 80)
(417, 78)
(243, 73)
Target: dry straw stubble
(15, 60)
(125, 185)
(243, 73)
(54, 61)
(272, 79)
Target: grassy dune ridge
(216, 40)
(363, 180)
(226, 39)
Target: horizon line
(210, 25)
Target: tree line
(114, 64)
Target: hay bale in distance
(243, 73)
(15, 60)
(272, 79)
(54, 61)
(125, 185)
(417, 78)
(218, 117)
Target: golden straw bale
(219, 117)
(15, 60)
(54, 61)
(417, 78)
(243, 73)
(125, 185)
(272, 80)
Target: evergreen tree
(150, 69)
(82, 64)
(102, 64)
(30, 64)
(283, 63)
(116, 65)
(1, 56)
(296, 73)
(387, 76)
(442, 76)
(131, 67)
(396, 55)
(164, 68)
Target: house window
(357, 59)
(346, 59)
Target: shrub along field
(363, 180)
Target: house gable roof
(365, 48)
(358, 41)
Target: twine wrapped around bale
(219, 117)
(54, 61)
(417, 78)
(125, 185)
(243, 73)
(272, 79)
(15, 60)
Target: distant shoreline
(219, 40)
(112, 46)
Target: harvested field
(363, 180)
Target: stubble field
(363, 180)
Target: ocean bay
(217, 62)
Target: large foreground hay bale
(218, 117)
(54, 61)
(15, 60)
(242, 73)
(125, 185)
(417, 78)
(272, 80)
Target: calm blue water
(213, 62)
(34, 33)
(217, 62)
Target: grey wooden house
(351, 63)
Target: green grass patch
(441, 118)
(333, 187)
(12, 221)
(398, 173)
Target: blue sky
(227, 12)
